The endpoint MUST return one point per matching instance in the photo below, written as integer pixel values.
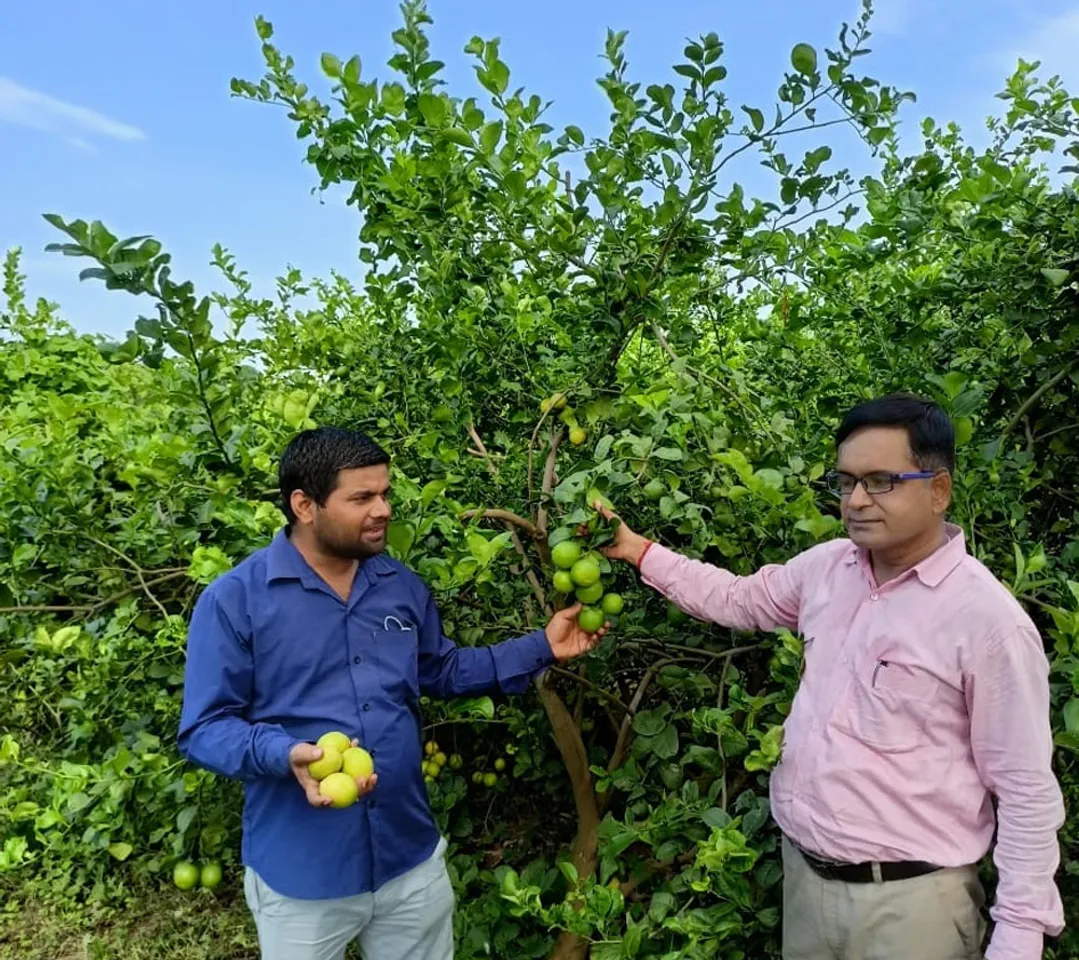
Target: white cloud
(1055, 43)
(32, 108)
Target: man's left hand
(566, 637)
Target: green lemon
(477, 777)
(500, 764)
(578, 435)
(585, 572)
(339, 741)
(566, 553)
(563, 582)
(329, 762)
(357, 762)
(490, 779)
(590, 594)
(210, 875)
(341, 789)
(590, 619)
(612, 604)
(185, 875)
(456, 761)
(676, 616)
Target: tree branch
(506, 516)
(588, 684)
(1030, 401)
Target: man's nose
(859, 498)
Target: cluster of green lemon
(557, 401)
(436, 760)
(186, 874)
(581, 574)
(338, 767)
(489, 779)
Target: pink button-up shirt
(921, 700)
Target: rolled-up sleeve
(1012, 744)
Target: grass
(166, 925)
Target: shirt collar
(934, 568)
(285, 562)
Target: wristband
(644, 552)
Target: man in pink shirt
(924, 699)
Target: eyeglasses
(843, 484)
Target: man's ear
(302, 506)
(941, 487)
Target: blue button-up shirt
(276, 657)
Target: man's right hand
(301, 756)
(628, 546)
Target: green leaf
(459, 136)
(352, 70)
(1055, 276)
(264, 28)
(433, 108)
(490, 135)
(121, 851)
(964, 430)
(331, 65)
(499, 75)
(400, 537)
(665, 745)
(755, 117)
(1071, 715)
(804, 59)
(649, 723)
(575, 135)
(185, 818)
(668, 453)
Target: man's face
(908, 511)
(353, 521)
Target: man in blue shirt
(323, 631)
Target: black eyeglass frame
(834, 479)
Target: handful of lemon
(338, 768)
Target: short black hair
(314, 458)
(929, 429)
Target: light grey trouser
(410, 918)
(933, 917)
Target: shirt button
(356, 659)
(874, 597)
(366, 707)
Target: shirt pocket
(397, 653)
(891, 700)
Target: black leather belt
(864, 873)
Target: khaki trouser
(934, 917)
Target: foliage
(706, 343)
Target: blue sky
(121, 112)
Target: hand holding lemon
(334, 772)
